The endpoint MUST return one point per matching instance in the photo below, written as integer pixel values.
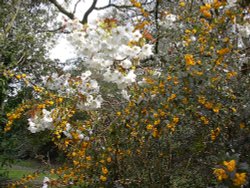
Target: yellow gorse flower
(240, 179)
(220, 174)
(104, 170)
(189, 59)
(103, 178)
(150, 127)
(205, 10)
(230, 165)
(223, 51)
(109, 159)
(175, 119)
(215, 133)
(182, 4)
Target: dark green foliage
(23, 50)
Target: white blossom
(103, 48)
(40, 122)
(46, 181)
(125, 95)
(146, 51)
(91, 103)
(168, 22)
(126, 64)
(231, 3)
(244, 30)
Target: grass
(23, 168)
(15, 174)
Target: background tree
(24, 42)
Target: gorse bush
(163, 102)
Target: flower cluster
(168, 21)
(82, 87)
(229, 171)
(111, 50)
(40, 122)
(70, 132)
(244, 30)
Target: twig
(74, 11)
(63, 10)
(91, 8)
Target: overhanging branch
(62, 9)
(115, 6)
(86, 15)
(120, 6)
(74, 11)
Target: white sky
(63, 50)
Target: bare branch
(74, 11)
(120, 6)
(91, 8)
(115, 6)
(62, 9)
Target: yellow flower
(60, 99)
(223, 51)
(208, 105)
(189, 59)
(156, 115)
(171, 126)
(175, 119)
(233, 109)
(242, 125)
(104, 170)
(103, 178)
(150, 127)
(88, 158)
(182, 4)
(207, 14)
(204, 119)
(199, 73)
(18, 76)
(135, 3)
(41, 106)
(109, 159)
(75, 163)
(240, 179)
(220, 174)
(102, 161)
(157, 122)
(201, 99)
(216, 109)
(205, 10)
(162, 114)
(49, 102)
(217, 4)
(155, 133)
(172, 97)
(231, 74)
(215, 133)
(230, 165)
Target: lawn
(23, 168)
